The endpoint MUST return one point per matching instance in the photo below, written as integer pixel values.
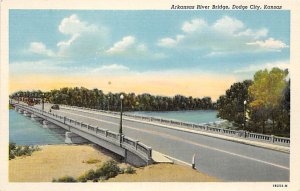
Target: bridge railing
(115, 138)
(208, 127)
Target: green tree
(231, 105)
(267, 93)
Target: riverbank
(55, 161)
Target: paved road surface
(226, 160)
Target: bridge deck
(227, 160)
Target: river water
(24, 131)
(192, 116)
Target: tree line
(97, 99)
(260, 105)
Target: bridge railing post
(122, 138)
(136, 144)
(272, 138)
(150, 152)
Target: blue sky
(225, 45)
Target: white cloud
(84, 39)
(40, 48)
(193, 25)
(285, 64)
(46, 67)
(72, 25)
(110, 68)
(129, 47)
(254, 34)
(68, 42)
(228, 25)
(270, 44)
(40, 67)
(225, 35)
(123, 45)
(169, 42)
(141, 47)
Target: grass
(92, 161)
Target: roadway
(229, 161)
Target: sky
(162, 52)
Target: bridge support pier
(35, 118)
(26, 113)
(47, 124)
(134, 160)
(72, 138)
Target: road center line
(183, 140)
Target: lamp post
(43, 101)
(121, 114)
(18, 98)
(245, 102)
(108, 103)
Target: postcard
(149, 95)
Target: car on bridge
(55, 106)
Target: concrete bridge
(225, 154)
(133, 151)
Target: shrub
(15, 150)
(102, 178)
(109, 169)
(65, 179)
(82, 178)
(122, 170)
(129, 170)
(11, 156)
(90, 175)
(12, 146)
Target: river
(192, 116)
(24, 131)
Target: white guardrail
(208, 127)
(132, 145)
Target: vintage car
(55, 107)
